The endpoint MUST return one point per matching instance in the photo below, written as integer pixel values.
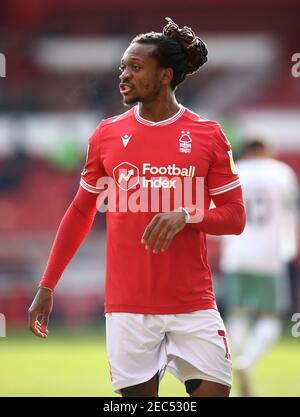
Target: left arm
(228, 218)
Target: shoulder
(201, 121)
(115, 120)
(271, 169)
(105, 125)
(244, 163)
(278, 167)
(248, 168)
(284, 171)
(282, 166)
(211, 128)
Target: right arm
(73, 229)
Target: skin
(150, 389)
(258, 153)
(150, 84)
(41, 307)
(146, 389)
(160, 231)
(142, 81)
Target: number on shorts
(223, 335)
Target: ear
(166, 76)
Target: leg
(264, 334)
(200, 351)
(146, 389)
(136, 352)
(209, 389)
(238, 324)
(246, 387)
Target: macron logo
(126, 139)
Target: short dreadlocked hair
(179, 49)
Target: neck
(260, 155)
(159, 109)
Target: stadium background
(61, 79)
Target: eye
(121, 68)
(136, 67)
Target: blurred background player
(256, 264)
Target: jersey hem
(111, 308)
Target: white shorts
(190, 346)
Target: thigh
(146, 389)
(197, 348)
(211, 389)
(135, 347)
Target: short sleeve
(222, 175)
(93, 168)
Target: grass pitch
(74, 363)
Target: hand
(161, 230)
(41, 306)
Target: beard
(148, 96)
(130, 101)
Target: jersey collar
(165, 122)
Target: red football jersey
(144, 157)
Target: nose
(125, 75)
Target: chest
(157, 151)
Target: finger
(161, 237)
(155, 232)
(44, 322)
(38, 325)
(34, 325)
(32, 317)
(149, 229)
(38, 332)
(167, 241)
